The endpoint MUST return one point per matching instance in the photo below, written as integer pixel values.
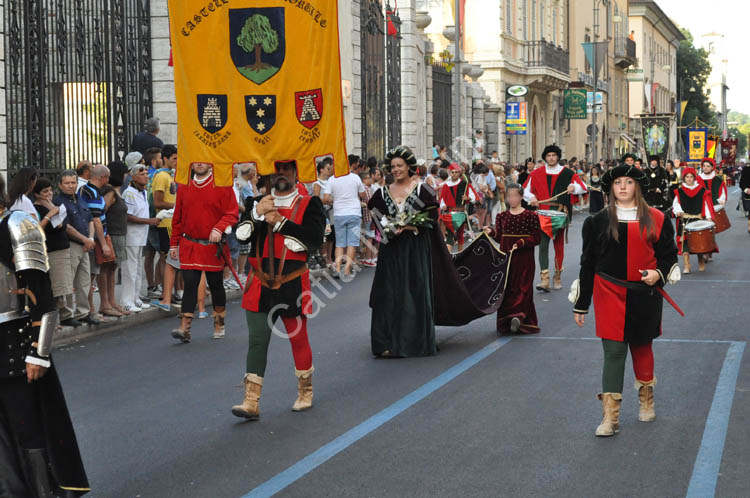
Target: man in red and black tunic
(558, 183)
(454, 194)
(714, 183)
(282, 228)
(203, 213)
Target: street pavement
(487, 416)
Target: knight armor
(28, 241)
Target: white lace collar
(284, 200)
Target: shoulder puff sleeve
(249, 222)
(588, 267)
(665, 250)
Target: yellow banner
(257, 81)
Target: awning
(628, 139)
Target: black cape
(418, 284)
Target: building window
(525, 19)
(533, 19)
(587, 38)
(508, 17)
(554, 25)
(542, 20)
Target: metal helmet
(28, 242)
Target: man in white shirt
(138, 222)
(549, 188)
(347, 192)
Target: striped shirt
(92, 198)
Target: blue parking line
(708, 462)
(325, 453)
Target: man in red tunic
(203, 213)
(454, 194)
(558, 183)
(282, 228)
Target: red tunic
(199, 209)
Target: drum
(722, 220)
(552, 221)
(699, 236)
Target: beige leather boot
(646, 412)
(249, 408)
(304, 390)
(701, 262)
(183, 333)
(686, 258)
(611, 414)
(544, 284)
(557, 280)
(220, 314)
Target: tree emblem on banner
(257, 42)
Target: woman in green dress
(402, 297)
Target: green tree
(740, 133)
(258, 36)
(693, 65)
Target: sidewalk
(67, 335)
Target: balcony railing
(543, 54)
(624, 47)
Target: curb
(69, 335)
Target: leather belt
(643, 289)
(197, 241)
(275, 283)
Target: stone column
(165, 105)
(351, 86)
(356, 44)
(411, 55)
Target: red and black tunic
(304, 225)
(628, 311)
(717, 187)
(696, 202)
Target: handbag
(99, 252)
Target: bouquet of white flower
(405, 220)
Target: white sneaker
(133, 309)
(142, 305)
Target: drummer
(714, 184)
(691, 202)
(552, 185)
(454, 194)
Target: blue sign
(515, 118)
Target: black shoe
(90, 320)
(70, 322)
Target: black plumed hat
(628, 155)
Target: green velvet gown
(402, 297)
